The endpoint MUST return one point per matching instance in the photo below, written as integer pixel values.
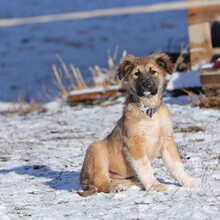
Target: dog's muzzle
(146, 88)
(149, 87)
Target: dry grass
(103, 77)
(22, 107)
(25, 108)
(107, 76)
(181, 63)
(204, 101)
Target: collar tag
(150, 112)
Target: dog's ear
(163, 61)
(126, 66)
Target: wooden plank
(95, 95)
(210, 76)
(209, 79)
(200, 39)
(200, 36)
(203, 14)
(90, 96)
(211, 86)
(210, 71)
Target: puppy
(144, 130)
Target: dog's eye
(153, 72)
(137, 73)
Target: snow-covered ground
(41, 155)
(27, 52)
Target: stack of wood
(210, 79)
(201, 46)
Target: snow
(180, 80)
(207, 65)
(41, 155)
(96, 89)
(27, 52)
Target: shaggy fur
(124, 157)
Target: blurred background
(28, 51)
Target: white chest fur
(151, 129)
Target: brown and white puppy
(124, 156)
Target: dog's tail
(91, 191)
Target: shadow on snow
(61, 180)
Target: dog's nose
(145, 85)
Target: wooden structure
(89, 95)
(199, 18)
(210, 79)
(201, 50)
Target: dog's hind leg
(172, 160)
(95, 171)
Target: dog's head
(145, 75)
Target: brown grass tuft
(22, 107)
(25, 108)
(204, 101)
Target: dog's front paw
(160, 187)
(117, 188)
(189, 181)
(157, 187)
